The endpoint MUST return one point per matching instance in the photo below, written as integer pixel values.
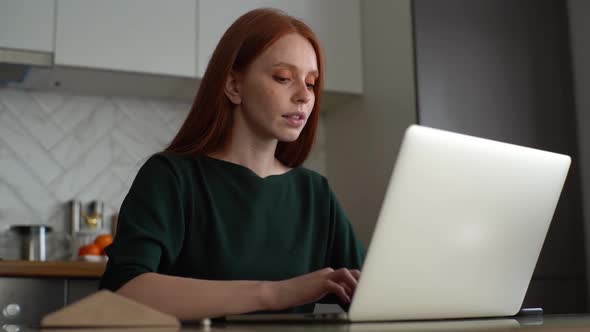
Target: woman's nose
(303, 94)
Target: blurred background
(90, 89)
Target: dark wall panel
(501, 69)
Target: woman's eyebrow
(293, 67)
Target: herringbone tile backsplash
(59, 147)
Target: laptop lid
(460, 228)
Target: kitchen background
(59, 147)
(55, 147)
(517, 71)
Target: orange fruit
(103, 241)
(89, 249)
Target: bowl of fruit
(94, 252)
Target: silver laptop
(459, 233)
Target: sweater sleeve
(150, 230)
(346, 250)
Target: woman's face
(277, 89)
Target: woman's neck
(246, 149)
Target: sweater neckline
(251, 172)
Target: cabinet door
(336, 22)
(147, 36)
(27, 25)
(26, 300)
(80, 288)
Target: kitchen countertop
(568, 323)
(64, 269)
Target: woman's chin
(288, 137)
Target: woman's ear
(232, 88)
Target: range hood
(14, 64)
(31, 70)
(25, 57)
(36, 71)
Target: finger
(324, 271)
(351, 286)
(343, 275)
(355, 273)
(348, 290)
(332, 287)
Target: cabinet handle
(11, 328)
(11, 310)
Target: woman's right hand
(312, 287)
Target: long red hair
(209, 123)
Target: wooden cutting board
(107, 309)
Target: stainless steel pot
(33, 240)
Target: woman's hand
(312, 287)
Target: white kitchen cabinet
(145, 36)
(27, 25)
(336, 22)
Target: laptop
(459, 232)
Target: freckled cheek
(311, 104)
(276, 100)
(259, 97)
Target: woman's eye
(310, 86)
(281, 79)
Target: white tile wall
(58, 147)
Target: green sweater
(207, 218)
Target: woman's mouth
(295, 119)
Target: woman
(225, 221)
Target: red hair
(209, 123)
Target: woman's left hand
(312, 287)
